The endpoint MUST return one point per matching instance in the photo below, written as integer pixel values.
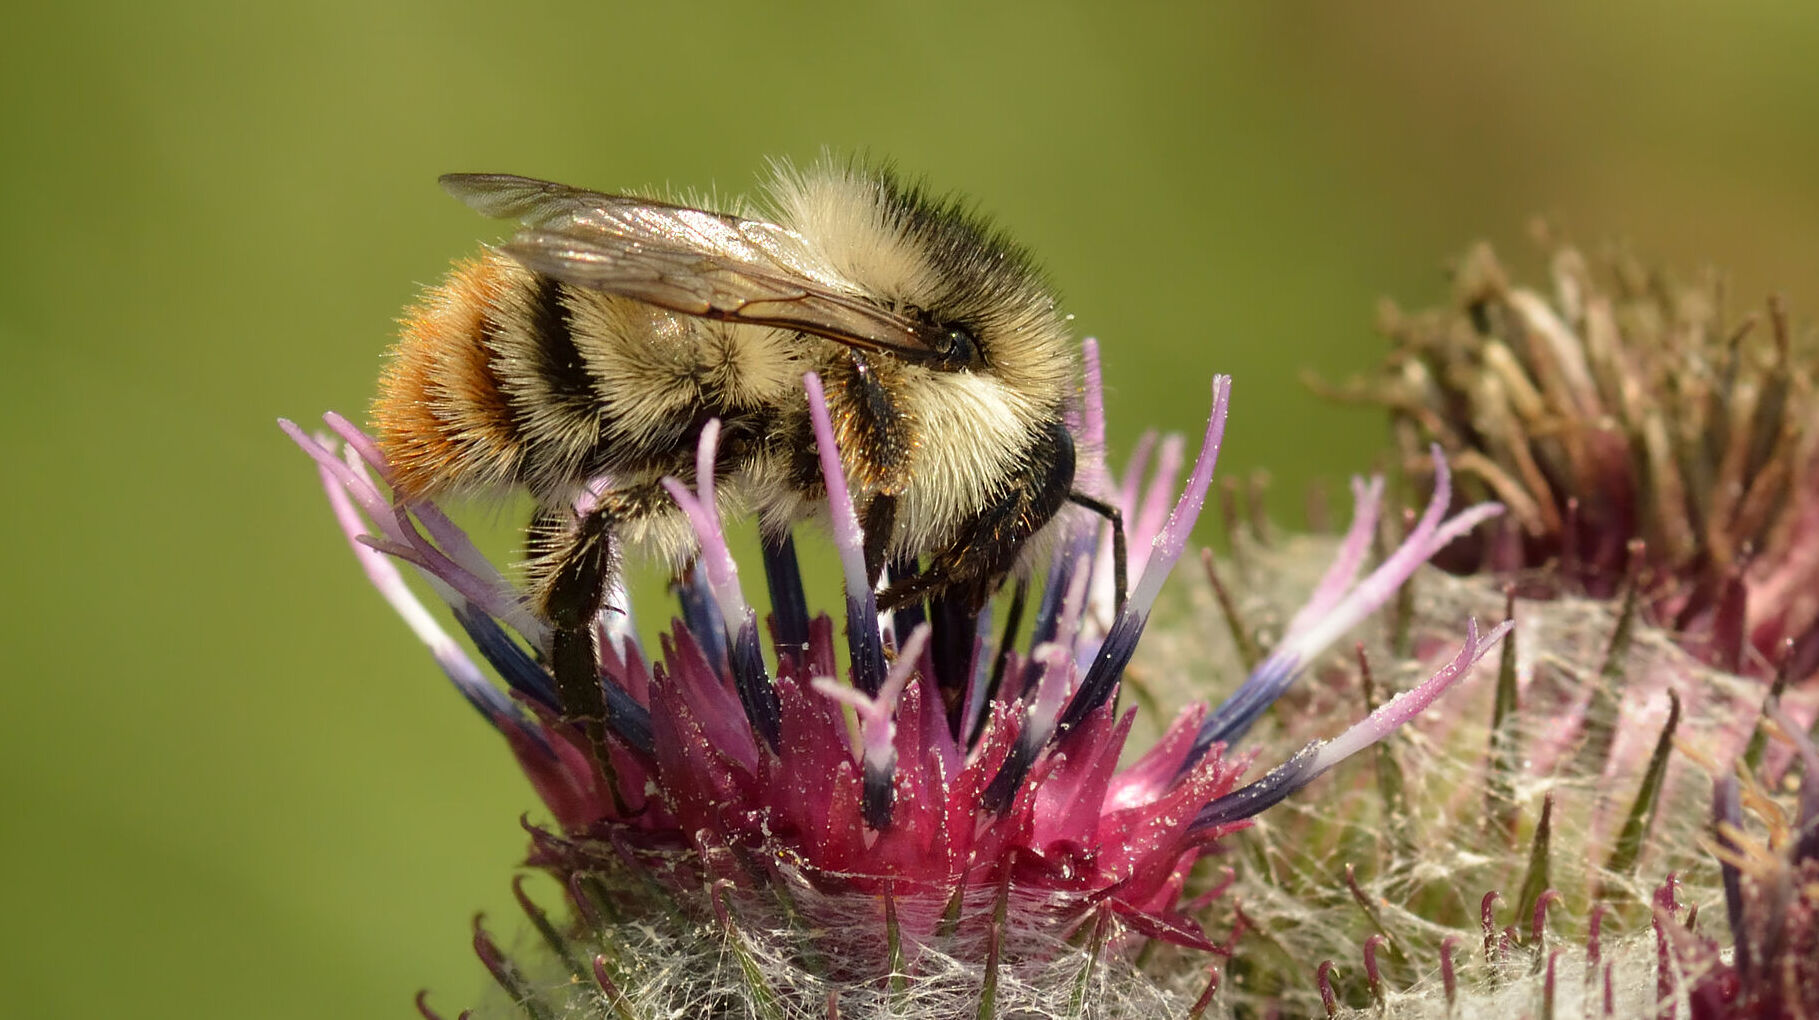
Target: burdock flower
(939, 816)
(1639, 438)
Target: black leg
(576, 561)
(880, 521)
(907, 617)
(902, 591)
(1120, 560)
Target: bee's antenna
(1120, 557)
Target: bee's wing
(689, 260)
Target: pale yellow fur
(648, 366)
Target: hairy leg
(574, 559)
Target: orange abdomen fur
(443, 416)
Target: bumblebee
(583, 357)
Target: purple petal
(1367, 507)
(1405, 706)
(476, 582)
(1148, 516)
(866, 648)
(745, 660)
(1121, 642)
(1315, 759)
(461, 670)
(1312, 632)
(704, 517)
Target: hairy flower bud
(1545, 843)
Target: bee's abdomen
(502, 377)
(444, 416)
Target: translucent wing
(689, 260)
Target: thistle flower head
(936, 814)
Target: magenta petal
(1152, 773)
(708, 697)
(808, 781)
(1071, 798)
(561, 775)
(915, 841)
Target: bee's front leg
(971, 568)
(966, 573)
(1120, 557)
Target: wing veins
(688, 260)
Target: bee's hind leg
(573, 563)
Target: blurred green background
(233, 784)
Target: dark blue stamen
(972, 708)
(1107, 669)
(756, 692)
(1101, 680)
(1233, 718)
(1003, 788)
(497, 708)
(864, 643)
(500, 713)
(701, 616)
(789, 602)
(629, 721)
(877, 796)
(1265, 793)
(1048, 614)
(509, 659)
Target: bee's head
(979, 298)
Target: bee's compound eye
(960, 349)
